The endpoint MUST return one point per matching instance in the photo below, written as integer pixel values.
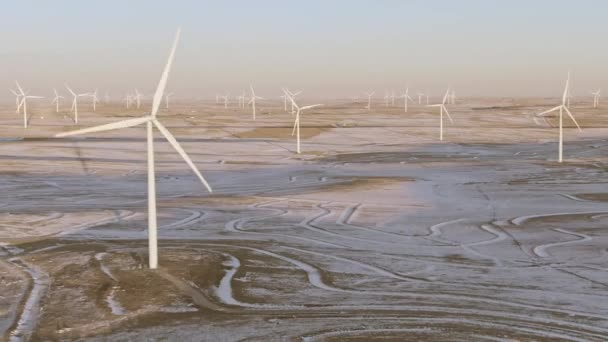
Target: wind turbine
(596, 98)
(17, 100)
(453, 97)
(386, 98)
(252, 100)
(151, 122)
(167, 100)
(419, 97)
(442, 109)
(23, 103)
(106, 97)
(128, 99)
(392, 97)
(406, 97)
(292, 96)
(563, 107)
(284, 97)
(296, 124)
(95, 99)
(242, 100)
(75, 102)
(138, 97)
(226, 97)
(56, 100)
(369, 99)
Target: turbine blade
(171, 139)
(19, 87)
(107, 127)
(310, 107)
(448, 113)
(70, 90)
(572, 117)
(549, 111)
(158, 96)
(445, 97)
(566, 90)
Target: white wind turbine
(23, 103)
(392, 98)
(252, 100)
(596, 98)
(151, 122)
(56, 100)
(17, 100)
(419, 97)
(226, 99)
(296, 124)
(563, 107)
(167, 100)
(93, 95)
(292, 95)
(241, 99)
(138, 97)
(284, 97)
(75, 102)
(442, 109)
(405, 96)
(369, 99)
(128, 99)
(386, 98)
(453, 97)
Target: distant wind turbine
(369, 99)
(405, 96)
(56, 100)
(138, 97)
(252, 100)
(24, 97)
(75, 102)
(167, 100)
(442, 109)
(93, 95)
(596, 98)
(226, 99)
(563, 107)
(293, 95)
(151, 122)
(296, 124)
(419, 97)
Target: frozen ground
(376, 231)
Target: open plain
(377, 230)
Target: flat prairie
(376, 231)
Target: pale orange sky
(327, 48)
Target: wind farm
(395, 206)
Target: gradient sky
(325, 47)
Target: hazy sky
(325, 47)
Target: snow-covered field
(376, 231)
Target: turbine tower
(151, 121)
